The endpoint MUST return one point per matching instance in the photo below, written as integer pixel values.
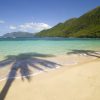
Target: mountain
(87, 25)
(18, 35)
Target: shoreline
(79, 82)
(62, 60)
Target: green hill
(87, 25)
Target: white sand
(78, 82)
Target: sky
(36, 15)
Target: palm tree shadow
(86, 52)
(21, 63)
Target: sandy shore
(78, 82)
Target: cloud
(12, 27)
(2, 21)
(31, 27)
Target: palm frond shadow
(86, 52)
(22, 62)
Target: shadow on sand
(86, 52)
(22, 62)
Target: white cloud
(2, 21)
(33, 27)
(12, 27)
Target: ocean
(55, 46)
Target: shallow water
(23, 55)
(47, 46)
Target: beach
(45, 69)
(69, 82)
(49, 50)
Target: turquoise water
(47, 46)
(55, 46)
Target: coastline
(53, 62)
(72, 82)
(49, 50)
